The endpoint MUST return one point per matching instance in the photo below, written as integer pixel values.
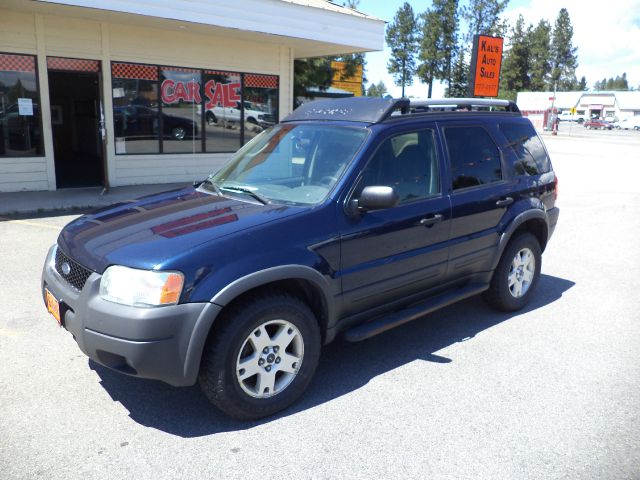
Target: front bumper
(163, 343)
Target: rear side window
(474, 157)
(531, 157)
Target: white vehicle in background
(572, 117)
(629, 123)
(231, 115)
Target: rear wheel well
(537, 227)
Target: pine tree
(459, 77)
(377, 90)
(516, 63)
(539, 40)
(582, 85)
(563, 54)
(438, 45)
(483, 17)
(402, 39)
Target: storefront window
(20, 124)
(260, 103)
(136, 119)
(222, 96)
(184, 110)
(181, 117)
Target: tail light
(555, 188)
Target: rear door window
(531, 157)
(473, 155)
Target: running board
(413, 312)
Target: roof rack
(376, 110)
(463, 104)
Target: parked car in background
(597, 124)
(572, 117)
(252, 114)
(140, 121)
(630, 123)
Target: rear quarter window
(531, 156)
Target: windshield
(295, 164)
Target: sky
(607, 35)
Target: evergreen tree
(402, 39)
(483, 17)
(377, 90)
(438, 45)
(563, 54)
(516, 62)
(459, 77)
(539, 40)
(582, 85)
(310, 73)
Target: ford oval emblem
(66, 268)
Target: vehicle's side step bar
(413, 312)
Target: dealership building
(610, 105)
(97, 93)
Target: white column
(45, 104)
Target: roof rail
(354, 109)
(463, 104)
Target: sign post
(486, 61)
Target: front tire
(262, 358)
(516, 275)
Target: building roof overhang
(312, 28)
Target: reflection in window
(20, 126)
(408, 163)
(531, 156)
(222, 111)
(136, 120)
(474, 157)
(260, 103)
(181, 110)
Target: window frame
(40, 146)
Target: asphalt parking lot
(552, 392)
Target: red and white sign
(217, 93)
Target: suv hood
(147, 232)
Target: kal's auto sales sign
(216, 93)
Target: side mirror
(377, 198)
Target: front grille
(77, 274)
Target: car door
(390, 254)
(480, 196)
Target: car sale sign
(486, 61)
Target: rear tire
(516, 275)
(262, 358)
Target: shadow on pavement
(344, 367)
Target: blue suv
(349, 217)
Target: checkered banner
(260, 81)
(17, 63)
(73, 64)
(134, 71)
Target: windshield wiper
(261, 198)
(208, 181)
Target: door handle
(504, 202)
(427, 222)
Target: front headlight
(141, 288)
